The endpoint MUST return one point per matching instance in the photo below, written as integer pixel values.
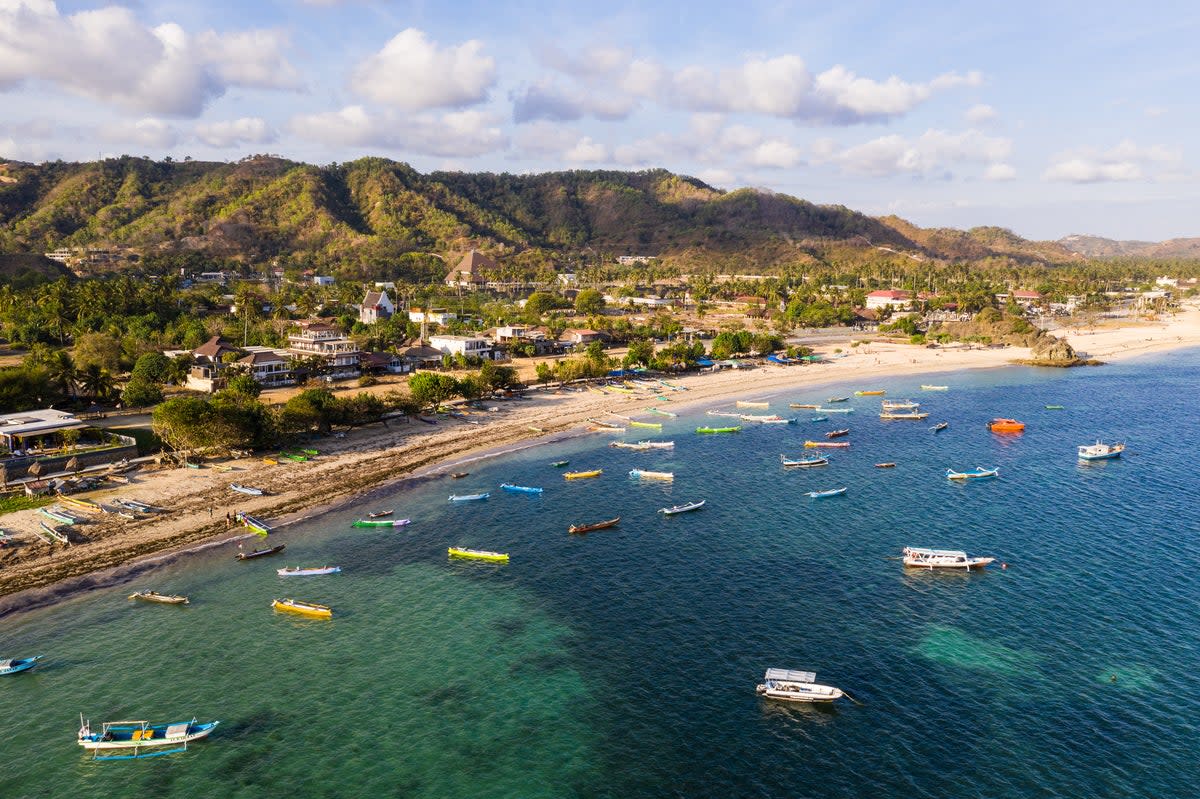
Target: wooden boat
(674, 509)
(808, 406)
(833, 492)
(294, 456)
(643, 474)
(899, 405)
(521, 489)
(56, 514)
(1006, 426)
(587, 528)
(51, 535)
(838, 399)
(259, 553)
(458, 475)
(250, 490)
(74, 503)
(253, 523)
(190, 465)
(796, 686)
(639, 447)
(941, 559)
(730, 414)
(1100, 451)
(559, 464)
(827, 444)
(603, 424)
(934, 388)
(582, 475)
(312, 453)
(164, 599)
(752, 404)
(381, 522)
(130, 740)
(719, 429)
(606, 429)
(873, 393)
(16, 665)
(303, 608)
(650, 425)
(804, 463)
(661, 412)
(478, 554)
(270, 461)
(836, 410)
(142, 506)
(379, 514)
(1055, 408)
(978, 473)
(845, 431)
(914, 415)
(940, 426)
(818, 419)
(297, 571)
(886, 465)
(467, 497)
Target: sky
(1048, 118)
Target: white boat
(886, 414)
(835, 410)
(648, 475)
(941, 559)
(979, 472)
(1100, 451)
(803, 463)
(899, 405)
(752, 404)
(298, 571)
(723, 413)
(467, 497)
(671, 511)
(934, 388)
(251, 490)
(127, 740)
(796, 686)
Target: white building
(476, 346)
(268, 366)
(433, 316)
(321, 339)
(322, 280)
(375, 306)
(891, 298)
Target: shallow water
(623, 663)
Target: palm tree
(63, 373)
(97, 382)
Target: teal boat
(1055, 408)
(57, 515)
(521, 489)
(15, 665)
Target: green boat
(293, 456)
(312, 453)
(559, 464)
(1055, 408)
(719, 429)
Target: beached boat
(808, 406)
(467, 497)
(129, 740)
(913, 415)
(312, 453)
(303, 608)
(1055, 408)
(605, 425)
(163, 599)
(253, 523)
(643, 474)
(298, 571)
(16, 665)
(379, 514)
(827, 444)
(803, 463)
(845, 431)
(838, 399)
(899, 405)
(271, 461)
(719, 429)
(872, 393)
(582, 475)
(796, 686)
(559, 464)
(142, 506)
(521, 489)
(293, 456)
(478, 554)
(250, 490)
(752, 404)
(941, 559)
(587, 528)
(639, 447)
(58, 515)
(940, 426)
(777, 420)
(51, 535)
(1100, 451)
(674, 509)
(885, 465)
(650, 425)
(1006, 426)
(85, 505)
(259, 553)
(976, 474)
(381, 522)
(833, 492)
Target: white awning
(791, 676)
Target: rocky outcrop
(1050, 350)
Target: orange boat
(1006, 426)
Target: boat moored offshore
(1100, 451)
(796, 686)
(127, 740)
(918, 557)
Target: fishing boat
(719, 429)
(478, 554)
(162, 599)
(250, 490)
(259, 553)
(379, 514)
(833, 492)
(808, 406)
(603, 424)
(1006, 426)
(886, 465)
(796, 686)
(899, 405)
(818, 419)
(312, 453)
(298, 571)
(845, 431)
(752, 404)
(85, 505)
(559, 464)
(582, 475)
(142, 506)
(941, 559)
(520, 489)
(15, 665)
(587, 528)
(467, 497)
(51, 534)
(381, 522)
(129, 740)
(940, 426)
(661, 412)
(58, 515)
(827, 444)
(643, 474)
(1055, 408)
(650, 425)
(293, 456)
(925, 387)
(674, 509)
(803, 463)
(836, 410)
(838, 399)
(730, 414)
(872, 393)
(458, 475)
(606, 429)
(978, 473)
(913, 415)
(1100, 451)
(253, 523)
(303, 608)
(638, 447)
(271, 461)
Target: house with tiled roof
(270, 367)
(208, 362)
(375, 306)
(472, 271)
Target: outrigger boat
(643, 474)
(818, 419)
(164, 599)
(941, 559)
(381, 522)
(899, 405)
(978, 473)
(458, 475)
(582, 475)
(808, 406)
(129, 740)
(752, 404)
(58, 515)
(250, 490)
(51, 534)
(827, 444)
(833, 492)
(521, 489)
(587, 528)
(1100, 451)
(478, 554)
(559, 464)
(303, 608)
(838, 399)
(915, 415)
(835, 410)
(15, 665)
(796, 686)
(297, 571)
(651, 425)
(845, 431)
(468, 497)
(259, 553)
(737, 429)
(85, 505)
(804, 463)
(730, 414)
(661, 412)
(674, 509)
(886, 465)
(1055, 408)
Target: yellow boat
(303, 608)
(651, 425)
(869, 393)
(582, 475)
(478, 554)
(270, 461)
(79, 504)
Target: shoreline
(373, 459)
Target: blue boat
(521, 489)
(14, 665)
(818, 419)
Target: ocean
(622, 663)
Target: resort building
(420, 356)
(468, 346)
(891, 298)
(322, 280)
(472, 271)
(435, 316)
(375, 306)
(269, 367)
(37, 437)
(323, 340)
(575, 336)
(208, 362)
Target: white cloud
(1125, 162)
(148, 133)
(414, 74)
(109, 55)
(586, 151)
(981, 114)
(933, 153)
(456, 134)
(999, 172)
(775, 153)
(551, 100)
(720, 178)
(232, 133)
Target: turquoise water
(623, 663)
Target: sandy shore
(110, 548)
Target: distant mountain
(1097, 247)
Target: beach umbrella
(35, 468)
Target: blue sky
(1048, 118)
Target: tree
(472, 387)
(640, 352)
(97, 382)
(545, 372)
(23, 389)
(153, 367)
(540, 302)
(184, 423)
(245, 385)
(497, 377)
(98, 349)
(141, 394)
(589, 302)
(314, 408)
(431, 389)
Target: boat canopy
(788, 675)
(933, 553)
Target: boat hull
(18, 665)
(800, 693)
(478, 554)
(140, 736)
(309, 609)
